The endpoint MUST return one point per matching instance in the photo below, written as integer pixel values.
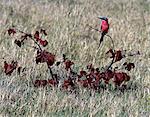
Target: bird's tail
(102, 38)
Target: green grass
(66, 24)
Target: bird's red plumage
(104, 26)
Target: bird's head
(103, 18)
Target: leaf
(68, 64)
(43, 43)
(58, 63)
(43, 83)
(110, 53)
(120, 77)
(83, 83)
(39, 83)
(129, 66)
(25, 37)
(9, 68)
(118, 55)
(107, 75)
(11, 31)
(44, 56)
(19, 70)
(38, 39)
(68, 83)
(64, 58)
(52, 82)
(18, 43)
(43, 31)
(89, 66)
(37, 35)
(83, 73)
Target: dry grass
(66, 23)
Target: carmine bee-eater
(104, 28)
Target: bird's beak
(101, 18)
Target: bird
(104, 28)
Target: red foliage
(39, 83)
(43, 83)
(44, 56)
(82, 73)
(11, 31)
(68, 83)
(120, 77)
(43, 42)
(98, 77)
(93, 76)
(9, 68)
(52, 82)
(38, 39)
(107, 75)
(129, 66)
(68, 64)
(83, 83)
(118, 55)
(37, 35)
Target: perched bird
(104, 28)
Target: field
(66, 22)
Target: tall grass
(66, 23)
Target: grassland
(66, 24)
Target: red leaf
(38, 39)
(43, 43)
(52, 82)
(68, 64)
(19, 70)
(129, 66)
(118, 55)
(44, 56)
(68, 83)
(11, 31)
(43, 83)
(112, 54)
(107, 75)
(43, 31)
(18, 43)
(37, 35)
(39, 83)
(9, 68)
(83, 73)
(120, 77)
(83, 83)
(90, 66)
